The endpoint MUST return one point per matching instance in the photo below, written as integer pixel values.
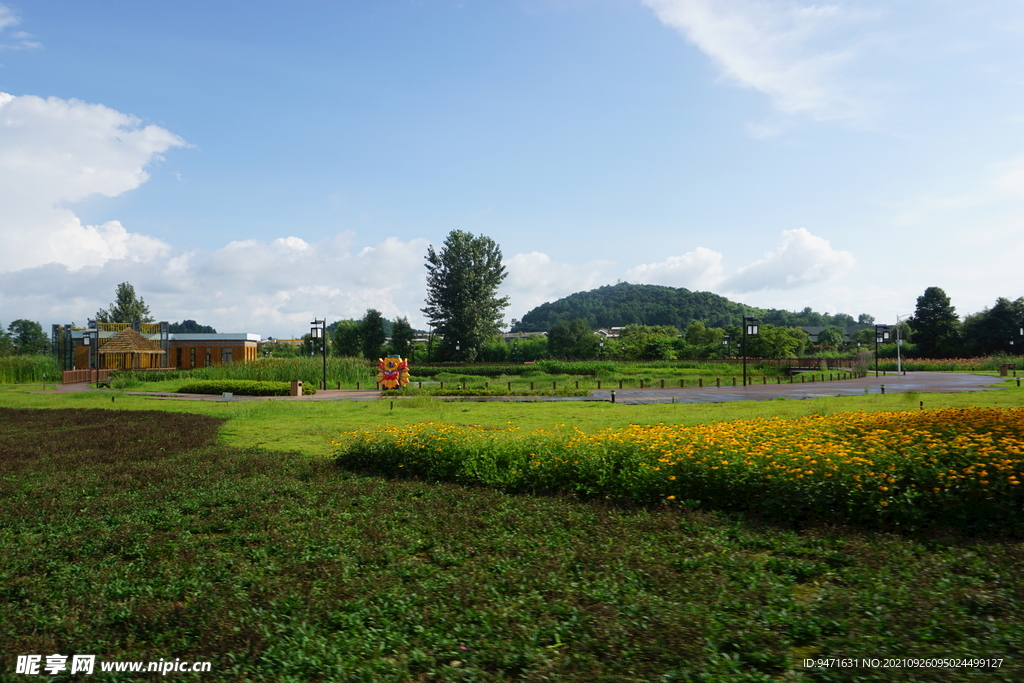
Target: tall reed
(348, 371)
(28, 369)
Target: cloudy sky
(251, 165)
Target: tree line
(465, 315)
(936, 331)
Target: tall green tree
(346, 339)
(27, 337)
(775, 342)
(372, 334)
(6, 346)
(401, 337)
(831, 337)
(127, 308)
(190, 327)
(462, 285)
(996, 329)
(572, 340)
(936, 325)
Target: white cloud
(698, 270)
(802, 260)
(534, 279)
(54, 152)
(273, 288)
(18, 40)
(792, 52)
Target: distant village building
(516, 336)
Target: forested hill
(625, 304)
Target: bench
(105, 382)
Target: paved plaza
(940, 382)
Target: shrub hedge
(243, 387)
(453, 391)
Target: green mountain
(625, 304)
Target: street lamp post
(319, 331)
(458, 352)
(749, 329)
(881, 336)
(94, 347)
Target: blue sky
(254, 165)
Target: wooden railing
(76, 376)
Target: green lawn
(136, 536)
(309, 427)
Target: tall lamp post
(881, 336)
(92, 340)
(319, 331)
(749, 329)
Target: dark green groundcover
(134, 536)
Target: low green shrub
(243, 387)
(308, 369)
(474, 370)
(438, 391)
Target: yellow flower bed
(957, 466)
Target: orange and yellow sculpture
(393, 372)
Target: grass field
(309, 427)
(147, 529)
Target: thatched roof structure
(130, 341)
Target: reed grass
(28, 369)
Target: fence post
(718, 381)
(662, 384)
(598, 384)
(554, 385)
(358, 385)
(510, 386)
(682, 383)
(620, 384)
(531, 386)
(734, 381)
(641, 384)
(700, 382)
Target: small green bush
(452, 391)
(243, 387)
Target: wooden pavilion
(129, 349)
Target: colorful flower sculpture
(394, 372)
